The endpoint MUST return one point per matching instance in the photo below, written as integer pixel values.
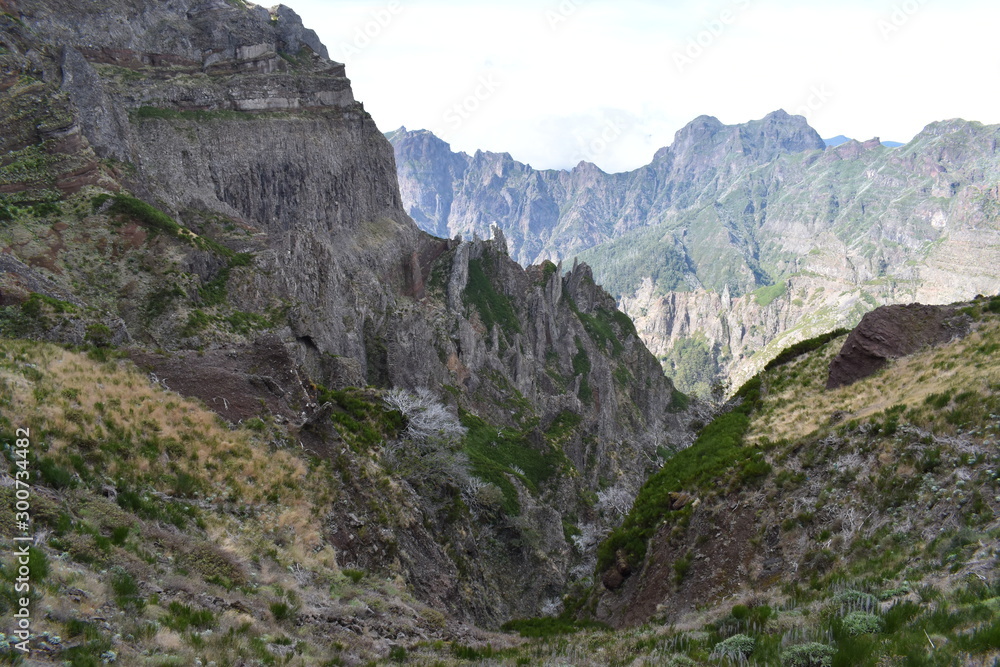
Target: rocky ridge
(867, 482)
(265, 260)
(759, 222)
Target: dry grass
(907, 381)
(163, 435)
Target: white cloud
(561, 71)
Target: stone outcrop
(892, 332)
(273, 255)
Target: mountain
(737, 241)
(833, 142)
(251, 414)
(197, 217)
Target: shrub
(795, 351)
(54, 475)
(812, 654)
(549, 626)
(98, 335)
(494, 307)
(862, 623)
(181, 617)
(126, 590)
(718, 448)
(736, 647)
(282, 611)
(354, 575)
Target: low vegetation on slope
(163, 536)
(872, 539)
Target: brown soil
(238, 383)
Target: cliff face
(755, 217)
(267, 255)
(557, 214)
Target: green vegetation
(621, 265)
(797, 350)
(493, 307)
(550, 626)
(767, 295)
(692, 366)
(716, 456)
(361, 418)
(158, 222)
(497, 454)
(812, 654)
(182, 618)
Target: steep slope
(880, 497)
(196, 184)
(737, 241)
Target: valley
(276, 389)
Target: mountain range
(738, 240)
(251, 414)
(841, 139)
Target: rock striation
(892, 332)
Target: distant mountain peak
(840, 140)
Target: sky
(554, 82)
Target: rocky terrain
(737, 241)
(803, 508)
(190, 194)
(267, 420)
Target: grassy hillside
(167, 536)
(866, 535)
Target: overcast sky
(556, 81)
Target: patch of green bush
(862, 623)
(738, 647)
(126, 590)
(767, 295)
(717, 453)
(495, 454)
(803, 347)
(494, 307)
(550, 626)
(181, 617)
(812, 654)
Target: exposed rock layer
(698, 244)
(892, 332)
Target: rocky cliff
(757, 222)
(194, 181)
